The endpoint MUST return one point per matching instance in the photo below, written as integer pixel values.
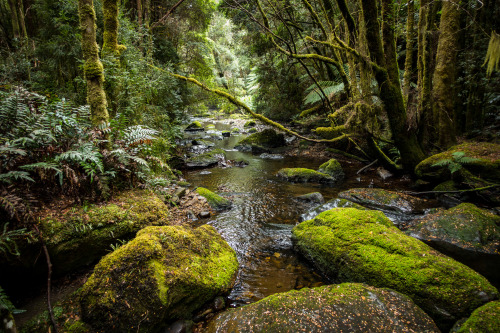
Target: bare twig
(366, 167)
(454, 191)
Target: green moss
(214, 200)
(194, 125)
(485, 319)
(268, 138)
(487, 165)
(304, 175)
(206, 159)
(329, 132)
(250, 123)
(348, 307)
(252, 130)
(364, 246)
(332, 168)
(448, 185)
(164, 274)
(235, 130)
(465, 226)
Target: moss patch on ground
(348, 307)
(465, 226)
(486, 165)
(164, 274)
(214, 200)
(363, 246)
(303, 175)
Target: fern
(8, 238)
(330, 88)
(456, 162)
(13, 176)
(139, 134)
(5, 303)
(45, 166)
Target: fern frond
(12, 176)
(45, 166)
(139, 134)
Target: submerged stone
(164, 274)
(386, 200)
(485, 319)
(363, 246)
(303, 175)
(206, 159)
(214, 200)
(348, 307)
(332, 168)
(486, 164)
(314, 197)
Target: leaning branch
(477, 189)
(170, 11)
(239, 103)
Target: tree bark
(16, 31)
(93, 70)
(444, 74)
(110, 45)
(409, 49)
(383, 53)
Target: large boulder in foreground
(165, 273)
(486, 164)
(363, 246)
(304, 175)
(485, 319)
(386, 200)
(268, 138)
(465, 227)
(348, 307)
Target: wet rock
(206, 159)
(348, 307)
(194, 127)
(250, 123)
(179, 326)
(334, 203)
(332, 168)
(271, 156)
(314, 197)
(202, 142)
(363, 246)
(214, 200)
(252, 130)
(486, 164)
(205, 214)
(383, 173)
(219, 303)
(268, 138)
(164, 274)
(303, 175)
(485, 319)
(465, 226)
(226, 134)
(386, 200)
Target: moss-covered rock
(485, 319)
(363, 246)
(464, 226)
(207, 159)
(385, 200)
(202, 142)
(332, 168)
(165, 273)
(194, 126)
(348, 307)
(303, 175)
(250, 123)
(252, 130)
(214, 200)
(268, 138)
(333, 203)
(80, 235)
(314, 197)
(486, 165)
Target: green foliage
(330, 88)
(456, 162)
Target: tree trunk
(444, 74)
(110, 45)
(16, 32)
(20, 15)
(92, 68)
(409, 49)
(387, 76)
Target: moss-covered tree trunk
(14, 19)
(92, 68)
(410, 22)
(444, 74)
(383, 53)
(110, 45)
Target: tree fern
(314, 94)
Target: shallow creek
(265, 209)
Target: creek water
(264, 211)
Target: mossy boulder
(207, 159)
(194, 126)
(164, 274)
(314, 197)
(202, 142)
(333, 203)
(363, 246)
(464, 226)
(250, 123)
(332, 168)
(214, 200)
(348, 307)
(486, 164)
(80, 235)
(386, 200)
(252, 130)
(485, 319)
(268, 138)
(304, 175)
